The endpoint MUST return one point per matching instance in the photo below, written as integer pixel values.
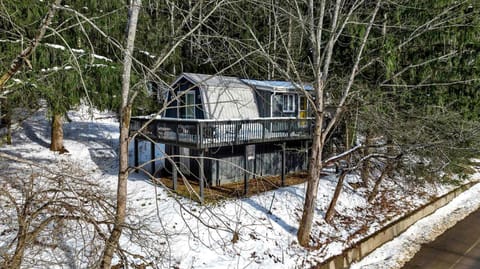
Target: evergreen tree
(65, 67)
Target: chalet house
(220, 129)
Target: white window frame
(288, 103)
(189, 107)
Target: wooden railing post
(290, 129)
(176, 131)
(236, 130)
(264, 127)
(200, 127)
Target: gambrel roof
(224, 97)
(277, 86)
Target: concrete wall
(367, 245)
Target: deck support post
(306, 161)
(174, 169)
(245, 172)
(254, 176)
(202, 177)
(152, 157)
(283, 164)
(217, 172)
(135, 154)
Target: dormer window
(288, 103)
(187, 109)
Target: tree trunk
(338, 189)
(57, 134)
(365, 171)
(7, 120)
(289, 40)
(17, 258)
(111, 245)
(316, 165)
(314, 172)
(385, 172)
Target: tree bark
(365, 171)
(56, 143)
(338, 189)
(321, 76)
(111, 245)
(386, 171)
(17, 258)
(316, 165)
(7, 120)
(289, 39)
(314, 173)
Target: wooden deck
(203, 134)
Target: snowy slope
(195, 236)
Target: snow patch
(100, 57)
(55, 46)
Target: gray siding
(263, 102)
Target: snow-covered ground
(254, 232)
(397, 252)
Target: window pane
(190, 105)
(187, 106)
(288, 103)
(303, 103)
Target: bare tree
(125, 114)
(41, 207)
(326, 21)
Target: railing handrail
(219, 120)
(207, 133)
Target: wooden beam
(283, 164)
(175, 151)
(135, 154)
(217, 172)
(152, 157)
(202, 178)
(245, 172)
(306, 156)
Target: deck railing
(214, 133)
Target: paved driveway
(457, 248)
